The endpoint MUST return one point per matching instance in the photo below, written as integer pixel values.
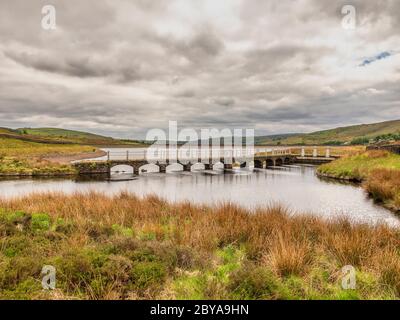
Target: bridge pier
(163, 167)
(228, 166)
(259, 164)
(187, 167)
(208, 166)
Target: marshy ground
(125, 247)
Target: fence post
(127, 155)
(108, 155)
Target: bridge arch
(122, 168)
(149, 168)
(269, 163)
(218, 166)
(258, 164)
(287, 160)
(278, 162)
(174, 167)
(198, 166)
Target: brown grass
(272, 238)
(384, 185)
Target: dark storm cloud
(121, 67)
(84, 66)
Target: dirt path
(66, 159)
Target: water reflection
(294, 186)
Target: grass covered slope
(63, 136)
(356, 134)
(124, 247)
(67, 135)
(19, 157)
(378, 170)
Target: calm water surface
(296, 187)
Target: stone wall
(395, 148)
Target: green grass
(70, 136)
(19, 157)
(336, 136)
(358, 167)
(63, 136)
(379, 172)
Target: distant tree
(333, 143)
(361, 140)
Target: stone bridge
(260, 158)
(105, 167)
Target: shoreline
(67, 159)
(61, 160)
(359, 183)
(331, 176)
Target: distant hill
(357, 134)
(62, 136)
(388, 131)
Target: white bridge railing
(210, 153)
(192, 154)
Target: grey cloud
(121, 67)
(78, 66)
(224, 101)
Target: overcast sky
(120, 67)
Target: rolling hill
(357, 134)
(62, 136)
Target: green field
(358, 134)
(18, 157)
(62, 136)
(45, 151)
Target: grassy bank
(124, 247)
(378, 170)
(19, 157)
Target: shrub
(254, 283)
(40, 222)
(384, 185)
(287, 257)
(148, 273)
